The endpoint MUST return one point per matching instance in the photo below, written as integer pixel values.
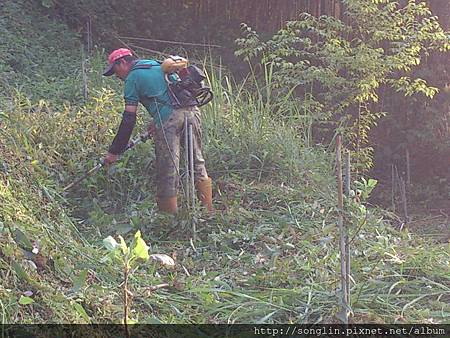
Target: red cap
(113, 57)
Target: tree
(337, 68)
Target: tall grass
(269, 255)
(255, 128)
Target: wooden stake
(398, 186)
(85, 59)
(186, 160)
(342, 232)
(408, 168)
(393, 187)
(404, 201)
(84, 75)
(125, 301)
(89, 36)
(347, 174)
(347, 244)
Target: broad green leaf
(81, 312)
(115, 257)
(110, 243)
(23, 300)
(139, 248)
(372, 182)
(123, 246)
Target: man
(145, 82)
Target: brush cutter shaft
(97, 167)
(140, 139)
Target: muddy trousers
(169, 139)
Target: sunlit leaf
(123, 246)
(140, 248)
(81, 312)
(25, 300)
(110, 243)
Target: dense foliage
(207, 22)
(41, 56)
(337, 68)
(269, 256)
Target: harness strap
(144, 66)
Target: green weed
(269, 255)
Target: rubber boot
(167, 204)
(204, 193)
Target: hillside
(269, 254)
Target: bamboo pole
(408, 167)
(393, 187)
(403, 197)
(125, 301)
(89, 36)
(347, 173)
(84, 75)
(347, 244)
(186, 161)
(342, 233)
(404, 201)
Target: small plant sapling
(129, 259)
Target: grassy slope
(270, 255)
(40, 56)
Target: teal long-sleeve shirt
(146, 83)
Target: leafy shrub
(339, 66)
